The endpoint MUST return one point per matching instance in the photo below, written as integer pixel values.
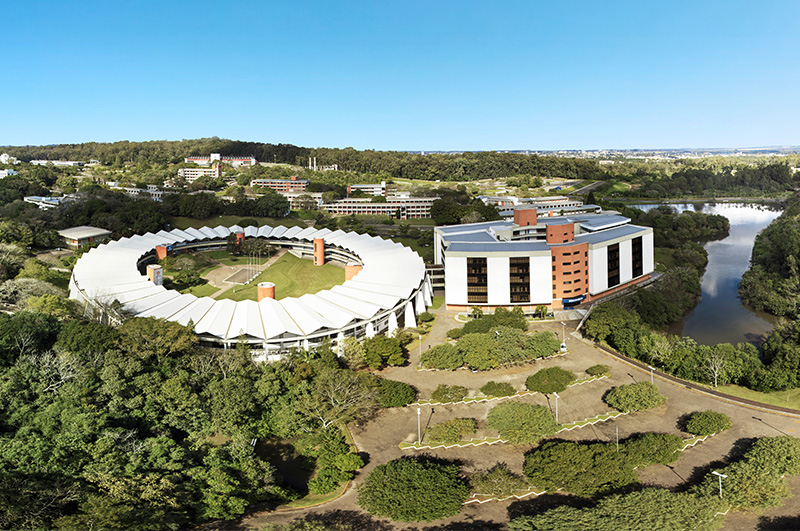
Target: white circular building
(388, 290)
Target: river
(720, 316)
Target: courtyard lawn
(292, 277)
(203, 290)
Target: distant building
(5, 158)
(79, 236)
(46, 203)
(528, 261)
(192, 174)
(292, 184)
(506, 204)
(216, 157)
(73, 163)
(411, 208)
(6, 173)
(296, 198)
(369, 189)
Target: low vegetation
(522, 423)
(550, 380)
(452, 431)
(634, 397)
(707, 422)
(413, 489)
(589, 469)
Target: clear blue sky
(432, 75)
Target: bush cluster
(452, 431)
(392, 393)
(522, 423)
(757, 481)
(485, 351)
(335, 462)
(498, 482)
(448, 393)
(413, 489)
(597, 468)
(707, 422)
(550, 380)
(492, 388)
(634, 397)
(597, 370)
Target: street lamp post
(563, 337)
(720, 476)
(556, 395)
(651, 373)
(419, 426)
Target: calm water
(720, 317)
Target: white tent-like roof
(390, 277)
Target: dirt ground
(378, 438)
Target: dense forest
(772, 283)
(136, 427)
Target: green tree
(392, 393)
(382, 350)
(413, 490)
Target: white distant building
(71, 163)
(369, 189)
(5, 158)
(6, 173)
(216, 157)
(192, 174)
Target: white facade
(499, 284)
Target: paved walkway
(378, 438)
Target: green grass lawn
(292, 277)
(664, 257)
(203, 290)
(180, 222)
(789, 398)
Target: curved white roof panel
(391, 274)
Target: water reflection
(720, 317)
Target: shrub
(782, 454)
(597, 467)
(582, 469)
(455, 333)
(327, 479)
(707, 422)
(392, 393)
(425, 317)
(452, 431)
(542, 345)
(413, 490)
(449, 393)
(644, 449)
(444, 356)
(522, 423)
(651, 508)
(498, 389)
(247, 222)
(478, 351)
(597, 370)
(550, 380)
(498, 482)
(634, 397)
